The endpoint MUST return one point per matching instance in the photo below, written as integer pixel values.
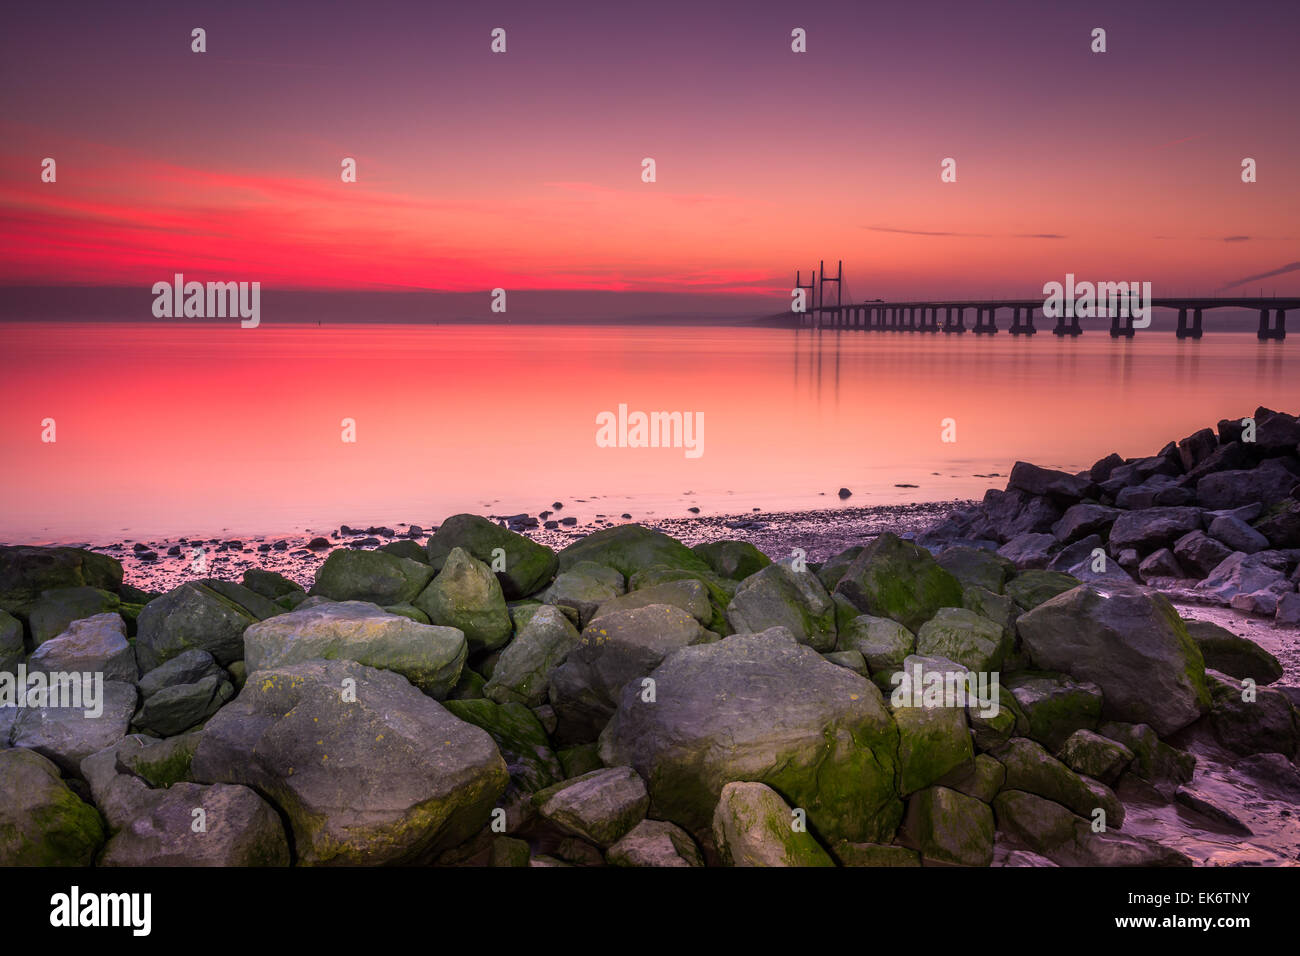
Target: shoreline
(819, 532)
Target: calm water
(169, 429)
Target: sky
(523, 170)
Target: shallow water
(202, 428)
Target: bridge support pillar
(1025, 327)
(1071, 329)
(984, 321)
(1183, 331)
(960, 324)
(1121, 326)
(1277, 330)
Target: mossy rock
(736, 560)
(899, 580)
(1031, 588)
(42, 822)
(528, 566)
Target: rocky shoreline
(474, 696)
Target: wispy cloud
(1281, 270)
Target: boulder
(467, 596)
(971, 640)
(93, 644)
(1235, 656)
(241, 829)
(529, 566)
(52, 613)
(1237, 535)
(187, 617)
(1029, 589)
(175, 709)
(761, 708)
(1197, 447)
(429, 656)
(932, 743)
(1160, 564)
(1261, 721)
(373, 576)
(585, 586)
(1029, 550)
(1093, 755)
(185, 668)
(833, 568)
(367, 769)
(1242, 573)
(1154, 760)
(601, 806)
(614, 649)
(981, 778)
(753, 826)
(526, 664)
(630, 547)
(1267, 484)
(1043, 825)
(1152, 528)
(689, 594)
(1280, 525)
(1055, 705)
(1032, 769)
(883, 643)
(736, 560)
(975, 567)
(520, 737)
(1131, 644)
(1200, 554)
(1082, 520)
(655, 843)
(779, 596)
(1058, 485)
(948, 827)
(897, 579)
(42, 822)
(269, 584)
(27, 571)
(67, 735)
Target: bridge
(924, 315)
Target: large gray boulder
(1152, 528)
(42, 822)
(187, 668)
(656, 843)
(26, 571)
(466, 595)
(367, 769)
(1242, 573)
(429, 656)
(524, 669)
(528, 566)
(897, 579)
(586, 587)
(600, 806)
(191, 616)
(753, 826)
(1267, 484)
(94, 644)
(69, 734)
(779, 596)
(761, 708)
(628, 548)
(614, 649)
(374, 576)
(970, 639)
(50, 615)
(1131, 644)
(689, 594)
(175, 709)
